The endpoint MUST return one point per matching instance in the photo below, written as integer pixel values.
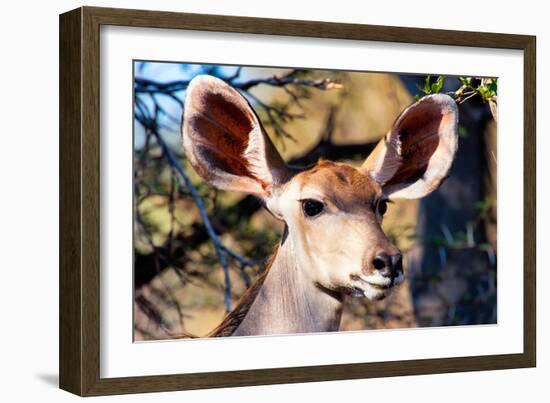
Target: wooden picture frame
(80, 200)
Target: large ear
(224, 141)
(414, 158)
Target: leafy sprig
(430, 87)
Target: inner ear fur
(416, 155)
(225, 142)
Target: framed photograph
(249, 201)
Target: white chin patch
(370, 292)
(373, 293)
(379, 280)
(369, 286)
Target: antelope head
(333, 211)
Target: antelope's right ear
(225, 142)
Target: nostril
(397, 262)
(381, 261)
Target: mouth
(380, 287)
(374, 287)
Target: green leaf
(493, 85)
(426, 88)
(467, 81)
(488, 90)
(427, 84)
(436, 87)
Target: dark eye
(382, 207)
(312, 207)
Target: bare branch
(148, 114)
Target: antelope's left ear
(414, 158)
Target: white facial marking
(379, 280)
(370, 285)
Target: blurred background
(196, 249)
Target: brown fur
(419, 140)
(224, 139)
(344, 186)
(223, 121)
(234, 318)
(300, 289)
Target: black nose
(388, 266)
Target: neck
(284, 301)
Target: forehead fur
(342, 184)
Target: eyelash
(384, 203)
(312, 208)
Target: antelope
(332, 245)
